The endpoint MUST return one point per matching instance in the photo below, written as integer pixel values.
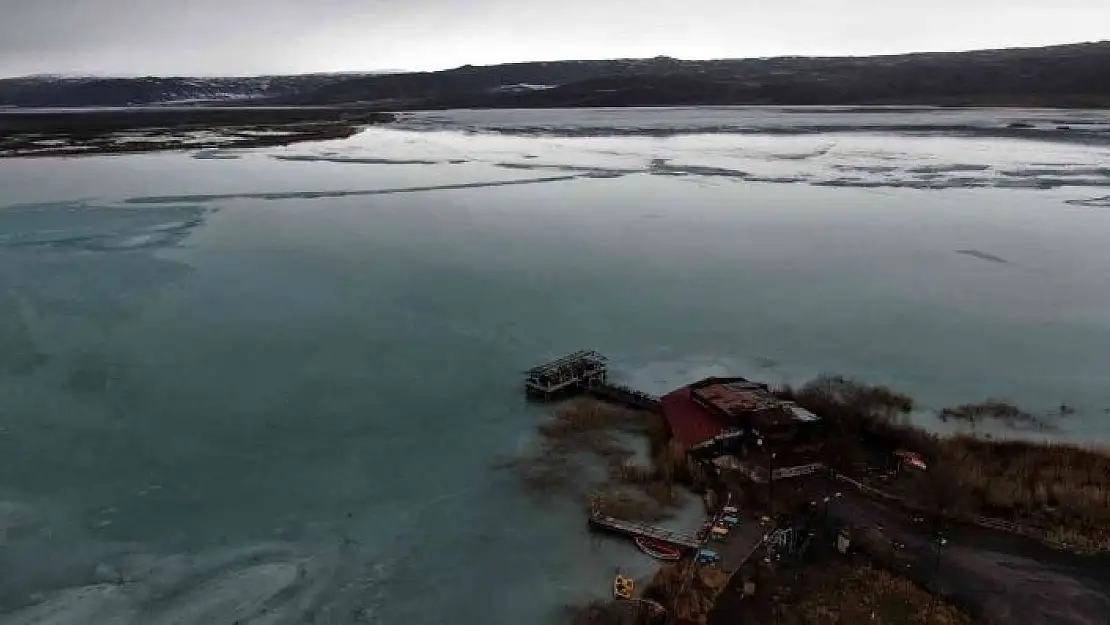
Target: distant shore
(67, 132)
(1061, 76)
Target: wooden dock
(634, 529)
(625, 396)
(571, 373)
(584, 371)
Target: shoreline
(895, 534)
(42, 133)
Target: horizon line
(385, 72)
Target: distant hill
(1075, 75)
(54, 91)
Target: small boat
(658, 549)
(912, 459)
(623, 587)
(708, 556)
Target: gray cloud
(285, 36)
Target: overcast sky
(208, 37)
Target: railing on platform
(572, 371)
(624, 395)
(584, 371)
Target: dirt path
(1010, 580)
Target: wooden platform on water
(634, 529)
(625, 396)
(571, 373)
(585, 371)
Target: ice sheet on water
(91, 226)
(308, 158)
(862, 150)
(103, 604)
(803, 156)
(663, 167)
(1076, 126)
(272, 584)
(1094, 202)
(217, 155)
(585, 169)
(943, 169)
(338, 193)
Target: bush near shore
(1060, 491)
(687, 591)
(1063, 489)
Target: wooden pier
(571, 373)
(634, 529)
(625, 396)
(584, 371)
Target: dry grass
(1061, 492)
(630, 473)
(849, 399)
(623, 503)
(586, 433)
(854, 411)
(581, 427)
(588, 416)
(1008, 414)
(869, 595)
(1062, 488)
(687, 591)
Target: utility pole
(771, 482)
(939, 540)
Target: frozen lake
(271, 386)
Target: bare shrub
(1008, 414)
(625, 504)
(1063, 490)
(687, 591)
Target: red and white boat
(912, 459)
(658, 549)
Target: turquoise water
(238, 387)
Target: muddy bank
(112, 131)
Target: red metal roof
(689, 422)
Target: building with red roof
(714, 416)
